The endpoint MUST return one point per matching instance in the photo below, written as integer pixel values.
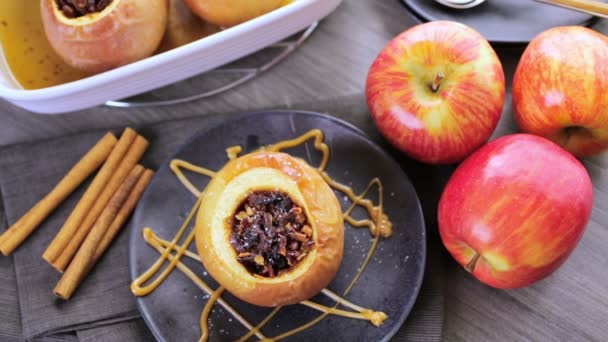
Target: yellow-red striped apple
(515, 209)
(560, 89)
(436, 91)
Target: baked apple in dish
(99, 35)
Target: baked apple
(184, 27)
(99, 35)
(270, 230)
(229, 13)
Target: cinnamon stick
(132, 157)
(123, 214)
(83, 207)
(83, 259)
(91, 161)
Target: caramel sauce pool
(29, 55)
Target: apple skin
(446, 125)
(560, 87)
(521, 203)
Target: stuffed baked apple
(270, 230)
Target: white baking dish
(168, 67)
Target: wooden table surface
(571, 305)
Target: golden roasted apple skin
(270, 171)
(124, 32)
(229, 13)
(184, 27)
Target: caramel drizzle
(375, 318)
(233, 152)
(162, 246)
(176, 165)
(207, 310)
(378, 224)
(137, 286)
(319, 144)
(165, 244)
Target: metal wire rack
(219, 80)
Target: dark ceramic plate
(502, 21)
(390, 283)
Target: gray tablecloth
(103, 309)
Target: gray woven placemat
(10, 324)
(103, 309)
(134, 330)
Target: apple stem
(435, 86)
(470, 267)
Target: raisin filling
(79, 8)
(270, 233)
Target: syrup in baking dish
(34, 63)
(28, 53)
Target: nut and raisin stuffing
(270, 233)
(79, 8)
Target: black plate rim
(133, 233)
(414, 13)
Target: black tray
(502, 21)
(390, 283)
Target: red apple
(436, 91)
(560, 90)
(514, 210)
